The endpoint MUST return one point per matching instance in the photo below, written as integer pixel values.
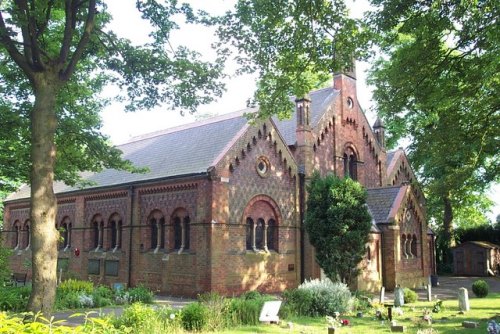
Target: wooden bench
(18, 278)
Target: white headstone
(269, 312)
(463, 299)
(399, 297)
(382, 295)
(429, 293)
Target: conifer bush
(480, 288)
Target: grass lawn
(446, 321)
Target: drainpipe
(131, 224)
(302, 206)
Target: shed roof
(483, 244)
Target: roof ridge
(187, 126)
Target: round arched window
(350, 103)
(263, 166)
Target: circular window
(350, 103)
(262, 166)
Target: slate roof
(380, 201)
(320, 100)
(390, 156)
(185, 150)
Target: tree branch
(14, 53)
(70, 10)
(82, 44)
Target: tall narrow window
(249, 233)
(414, 248)
(95, 235)
(259, 234)
(403, 246)
(162, 233)
(177, 233)
(27, 237)
(187, 232)
(113, 231)
(350, 164)
(17, 230)
(408, 245)
(272, 232)
(154, 233)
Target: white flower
(172, 316)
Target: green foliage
(319, 298)
(140, 294)
(194, 317)
(435, 85)
(362, 301)
(103, 296)
(5, 254)
(338, 224)
(479, 233)
(73, 285)
(136, 316)
(14, 299)
(480, 288)
(410, 296)
(292, 46)
(217, 310)
(438, 306)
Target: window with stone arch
(16, 229)
(64, 229)
(97, 232)
(114, 235)
(403, 246)
(261, 218)
(26, 243)
(414, 248)
(156, 223)
(350, 163)
(181, 225)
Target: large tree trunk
(44, 235)
(449, 240)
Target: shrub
(410, 296)
(14, 298)
(103, 296)
(74, 285)
(480, 288)
(217, 310)
(244, 311)
(140, 294)
(194, 317)
(69, 300)
(135, 316)
(326, 297)
(362, 301)
(297, 301)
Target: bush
(362, 301)
(70, 300)
(140, 294)
(194, 317)
(297, 302)
(320, 298)
(410, 296)
(102, 296)
(74, 285)
(140, 318)
(14, 298)
(135, 316)
(480, 288)
(217, 310)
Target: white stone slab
(269, 312)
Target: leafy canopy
(338, 224)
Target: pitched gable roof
(320, 100)
(383, 202)
(184, 150)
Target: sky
(120, 126)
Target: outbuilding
(476, 258)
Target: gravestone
(398, 328)
(382, 295)
(463, 299)
(269, 312)
(399, 297)
(470, 324)
(429, 293)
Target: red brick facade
(237, 227)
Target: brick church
(221, 206)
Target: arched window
(27, 235)
(65, 234)
(350, 164)
(187, 232)
(272, 235)
(414, 248)
(261, 226)
(17, 231)
(115, 231)
(181, 223)
(97, 225)
(368, 254)
(249, 233)
(157, 227)
(177, 233)
(408, 246)
(259, 234)
(403, 246)
(154, 233)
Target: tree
(56, 56)
(338, 223)
(293, 46)
(437, 84)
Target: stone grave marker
(429, 293)
(463, 299)
(399, 297)
(269, 312)
(382, 295)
